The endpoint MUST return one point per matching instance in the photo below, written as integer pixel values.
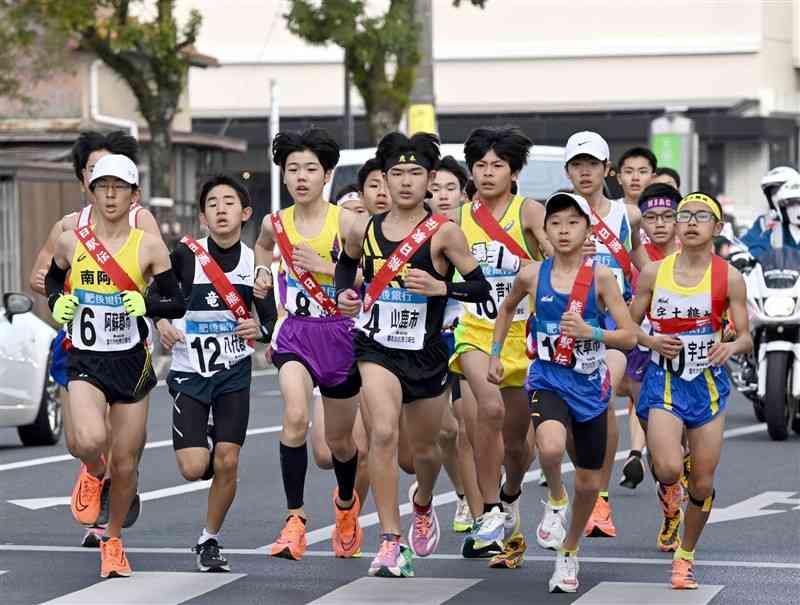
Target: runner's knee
(492, 413)
(701, 486)
(124, 464)
(341, 446)
(193, 468)
(226, 462)
(588, 482)
(668, 471)
(383, 435)
(295, 422)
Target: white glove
(499, 257)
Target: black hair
(315, 140)
(224, 179)
(712, 198)
(351, 188)
(562, 202)
(423, 144)
(371, 165)
(449, 164)
(638, 152)
(508, 142)
(89, 141)
(660, 190)
(670, 172)
(470, 189)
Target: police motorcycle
(770, 375)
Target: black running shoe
(209, 557)
(92, 537)
(105, 498)
(632, 472)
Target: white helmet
(771, 181)
(789, 192)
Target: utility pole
(422, 111)
(349, 128)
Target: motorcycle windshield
(780, 267)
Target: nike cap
(586, 142)
(561, 201)
(120, 166)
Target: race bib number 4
(396, 320)
(214, 347)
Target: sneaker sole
(460, 528)
(116, 574)
(599, 533)
(91, 541)
(286, 553)
(548, 546)
(560, 589)
(218, 569)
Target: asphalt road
(749, 554)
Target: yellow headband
(703, 199)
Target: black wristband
(474, 288)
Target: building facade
(551, 67)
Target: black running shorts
(122, 376)
(590, 437)
(422, 374)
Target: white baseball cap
(560, 200)
(586, 142)
(120, 166)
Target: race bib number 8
(299, 303)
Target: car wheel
(49, 423)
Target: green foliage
(374, 47)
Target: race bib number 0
(693, 357)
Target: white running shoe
(513, 521)
(565, 576)
(462, 520)
(491, 530)
(553, 528)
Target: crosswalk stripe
(634, 593)
(145, 588)
(420, 591)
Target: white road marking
(324, 533)
(150, 445)
(634, 593)
(39, 503)
(420, 591)
(754, 507)
(145, 588)
(258, 552)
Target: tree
(380, 52)
(152, 55)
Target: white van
(542, 175)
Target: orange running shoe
(291, 544)
(347, 534)
(113, 562)
(601, 524)
(85, 502)
(683, 575)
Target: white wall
(745, 164)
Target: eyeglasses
(105, 186)
(651, 218)
(701, 216)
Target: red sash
(577, 303)
(104, 258)
(489, 224)
(611, 241)
(401, 255)
(654, 252)
(719, 297)
(306, 278)
(219, 280)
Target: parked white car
(28, 395)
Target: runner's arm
(533, 223)
(624, 336)
(164, 298)
(264, 252)
(523, 285)
(639, 255)
(147, 222)
(59, 266)
(474, 288)
(42, 263)
(644, 293)
(721, 352)
(267, 316)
